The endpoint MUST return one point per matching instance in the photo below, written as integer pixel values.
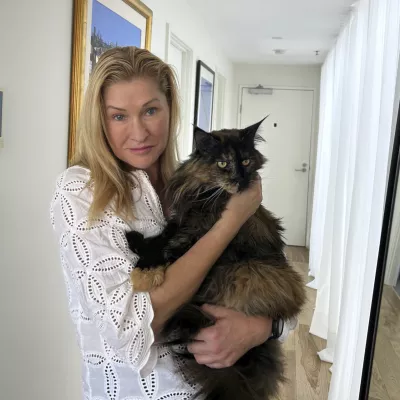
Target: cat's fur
(252, 275)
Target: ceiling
(245, 28)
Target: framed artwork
(99, 25)
(204, 97)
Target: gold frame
(79, 57)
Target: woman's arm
(97, 262)
(184, 277)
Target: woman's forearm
(184, 277)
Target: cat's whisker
(197, 194)
(215, 200)
(208, 188)
(207, 198)
(214, 196)
(211, 197)
(220, 192)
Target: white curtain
(357, 108)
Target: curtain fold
(358, 83)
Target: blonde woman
(125, 154)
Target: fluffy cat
(251, 276)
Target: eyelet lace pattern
(112, 321)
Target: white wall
(191, 29)
(283, 76)
(38, 355)
(38, 359)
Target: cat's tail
(256, 376)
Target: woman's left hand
(233, 335)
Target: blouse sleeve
(97, 262)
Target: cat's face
(228, 159)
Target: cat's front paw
(144, 280)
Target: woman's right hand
(241, 206)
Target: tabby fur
(252, 275)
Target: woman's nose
(137, 130)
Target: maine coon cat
(251, 276)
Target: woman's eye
(222, 164)
(151, 111)
(245, 162)
(118, 117)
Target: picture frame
(204, 96)
(97, 26)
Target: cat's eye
(245, 162)
(222, 164)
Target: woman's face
(137, 121)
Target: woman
(124, 156)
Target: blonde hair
(110, 177)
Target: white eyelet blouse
(120, 360)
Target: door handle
(304, 169)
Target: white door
(287, 134)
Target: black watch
(277, 328)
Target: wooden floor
(309, 377)
(385, 384)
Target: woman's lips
(141, 150)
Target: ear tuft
(206, 143)
(250, 133)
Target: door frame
(184, 136)
(220, 90)
(313, 141)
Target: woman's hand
(233, 335)
(241, 206)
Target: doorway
(287, 133)
(180, 56)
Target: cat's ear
(250, 132)
(205, 142)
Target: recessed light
(279, 51)
(277, 37)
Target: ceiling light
(279, 52)
(277, 37)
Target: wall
(283, 76)
(38, 355)
(191, 29)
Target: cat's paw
(144, 280)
